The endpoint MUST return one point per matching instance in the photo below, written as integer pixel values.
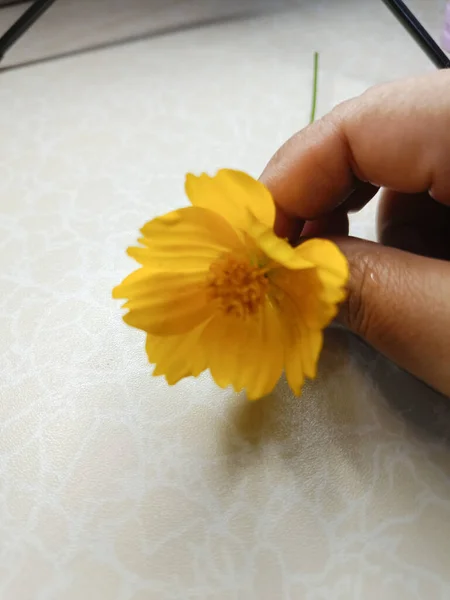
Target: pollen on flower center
(239, 286)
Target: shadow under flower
(358, 402)
(288, 426)
(276, 415)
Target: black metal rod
(418, 32)
(23, 23)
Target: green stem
(314, 96)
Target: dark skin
(396, 137)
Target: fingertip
(334, 224)
(311, 173)
(287, 226)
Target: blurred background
(218, 57)
(359, 38)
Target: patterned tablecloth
(114, 486)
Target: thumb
(400, 303)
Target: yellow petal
(232, 194)
(300, 295)
(223, 342)
(304, 349)
(246, 353)
(302, 346)
(311, 347)
(304, 289)
(133, 284)
(265, 355)
(302, 356)
(293, 364)
(183, 240)
(177, 356)
(332, 266)
(275, 248)
(170, 304)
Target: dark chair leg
(23, 23)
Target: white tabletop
(113, 485)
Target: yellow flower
(218, 289)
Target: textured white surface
(114, 486)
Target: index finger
(395, 135)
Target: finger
(394, 135)
(399, 303)
(415, 223)
(334, 224)
(287, 227)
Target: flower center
(239, 286)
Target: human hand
(395, 136)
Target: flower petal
(223, 342)
(169, 304)
(311, 347)
(246, 353)
(302, 346)
(133, 284)
(264, 365)
(232, 194)
(277, 249)
(177, 356)
(305, 291)
(293, 363)
(332, 266)
(302, 356)
(183, 240)
(306, 308)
